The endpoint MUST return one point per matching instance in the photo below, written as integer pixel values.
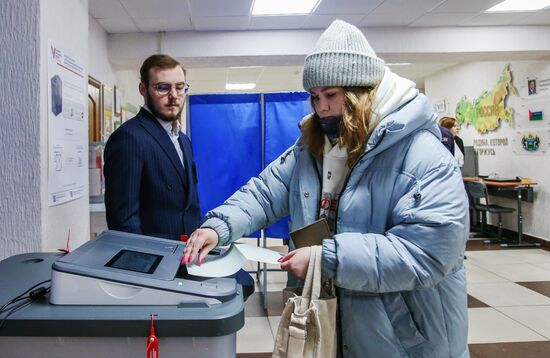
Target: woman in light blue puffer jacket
(395, 203)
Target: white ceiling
(153, 16)
(122, 16)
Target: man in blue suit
(150, 174)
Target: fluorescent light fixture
(239, 86)
(398, 63)
(283, 7)
(519, 5)
(247, 67)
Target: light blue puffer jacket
(397, 257)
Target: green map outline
(487, 111)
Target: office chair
(477, 192)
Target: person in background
(399, 220)
(532, 84)
(150, 175)
(447, 139)
(458, 149)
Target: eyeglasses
(164, 88)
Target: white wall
(471, 80)
(99, 66)
(128, 81)
(394, 44)
(65, 22)
(20, 221)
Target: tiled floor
(508, 304)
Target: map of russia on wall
(487, 111)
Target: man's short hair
(160, 61)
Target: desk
(523, 192)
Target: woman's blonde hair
(356, 126)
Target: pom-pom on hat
(342, 57)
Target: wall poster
(532, 142)
(67, 126)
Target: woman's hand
(296, 262)
(200, 243)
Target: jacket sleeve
(259, 203)
(425, 243)
(122, 170)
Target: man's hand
(297, 262)
(199, 244)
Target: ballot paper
(233, 260)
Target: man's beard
(156, 113)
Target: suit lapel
(151, 125)
(189, 179)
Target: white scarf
(459, 156)
(392, 92)
(335, 171)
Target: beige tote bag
(308, 327)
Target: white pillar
(20, 203)
(27, 223)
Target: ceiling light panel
(239, 86)
(461, 6)
(283, 7)
(346, 7)
(520, 5)
(277, 22)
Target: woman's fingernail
(189, 259)
(280, 259)
(201, 261)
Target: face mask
(331, 126)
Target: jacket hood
(392, 93)
(399, 110)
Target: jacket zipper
(347, 180)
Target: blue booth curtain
(226, 135)
(283, 112)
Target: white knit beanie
(342, 57)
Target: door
(94, 110)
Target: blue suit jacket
(147, 190)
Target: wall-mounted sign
(67, 126)
(487, 111)
(535, 116)
(486, 146)
(440, 106)
(532, 86)
(532, 142)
